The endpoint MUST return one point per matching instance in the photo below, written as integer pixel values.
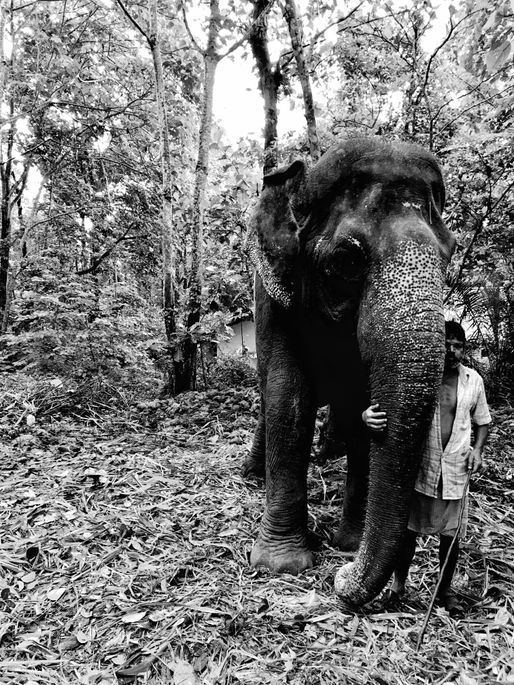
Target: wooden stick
(438, 584)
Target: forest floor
(124, 550)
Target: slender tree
(12, 180)
(6, 145)
(184, 347)
(167, 244)
(178, 379)
(212, 56)
(270, 78)
(294, 25)
(210, 59)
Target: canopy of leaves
(81, 90)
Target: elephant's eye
(347, 263)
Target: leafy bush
(74, 328)
(229, 372)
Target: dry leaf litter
(124, 552)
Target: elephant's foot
(253, 469)
(348, 537)
(281, 557)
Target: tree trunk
(211, 60)
(176, 377)
(413, 92)
(269, 81)
(294, 24)
(6, 149)
(5, 248)
(26, 225)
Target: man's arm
(475, 461)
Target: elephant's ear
(439, 195)
(445, 237)
(273, 236)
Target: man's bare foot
(392, 599)
(450, 602)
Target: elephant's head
(360, 239)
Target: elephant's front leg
(290, 414)
(349, 533)
(254, 466)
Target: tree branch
(318, 35)
(402, 27)
(98, 260)
(476, 104)
(387, 41)
(470, 91)
(134, 22)
(452, 30)
(249, 30)
(188, 29)
(479, 223)
(58, 216)
(19, 185)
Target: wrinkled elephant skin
(350, 258)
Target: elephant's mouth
(338, 311)
(341, 274)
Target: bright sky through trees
(238, 104)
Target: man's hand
(475, 461)
(375, 419)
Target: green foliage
(81, 87)
(481, 178)
(229, 372)
(76, 328)
(228, 273)
(490, 46)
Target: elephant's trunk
(401, 334)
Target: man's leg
(445, 595)
(404, 561)
(445, 542)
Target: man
(447, 456)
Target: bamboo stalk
(443, 568)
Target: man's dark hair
(455, 330)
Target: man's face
(454, 353)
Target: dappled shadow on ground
(124, 558)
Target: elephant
(350, 258)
